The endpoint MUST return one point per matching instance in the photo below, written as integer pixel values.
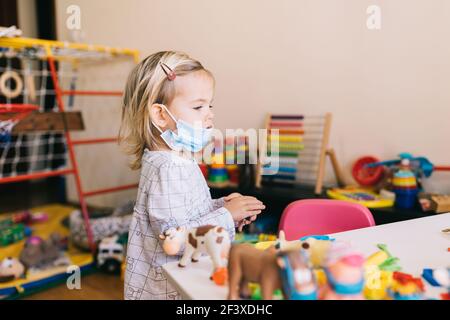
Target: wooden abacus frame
(323, 153)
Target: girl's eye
(210, 107)
(198, 108)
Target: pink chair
(319, 217)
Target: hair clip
(170, 75)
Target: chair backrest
(322, 216)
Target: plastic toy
(213, 240)
(367, 176)
(11, 269)
(439, 278)
(298, 279)
(362, 196)
(383, 260)
(11, 233)
(255, 290)
(315, 247)
(379, 268)
(110, 254)
(404, 184)
(246, 265)
(377, 284)
(217, 173)
(345, 274)
(406, 287)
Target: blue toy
(298, 280)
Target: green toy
(11, 234)
(391, 263)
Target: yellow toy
(379, 269)
(317, 247)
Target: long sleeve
(218, 203)
(174, 198)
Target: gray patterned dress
(172, 192)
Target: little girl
(166, 119)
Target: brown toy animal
(248, 264)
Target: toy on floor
(439, 278)
(298, 279)
(12, 233)
(345, 274)
(213, 240)
(102, 226)
(246, 265)
(406, 287)
(11, 269)
(110, 254)
(40, 254)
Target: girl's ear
(158, 116)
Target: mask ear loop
(169, 113)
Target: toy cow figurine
(213, 240)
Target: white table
(418, 243)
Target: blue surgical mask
(188, 137)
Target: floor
(98, 286)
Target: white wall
(388, 89)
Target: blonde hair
(148, 84)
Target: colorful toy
(27, 217)
(11, 233)
(383, 260)
(217, 173)
(406, 287)
(246, 265)
(439, 278)
(404, 184)
(315, 247)
(110, 254)
(364, 175)
(362, 196)
(298, 279)
(377, 284)
(213, 240)
(255, 292)
(379, 268)
(11, 269)
(345, 274)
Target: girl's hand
(242, 207)
(232, 196)
(245, 222)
